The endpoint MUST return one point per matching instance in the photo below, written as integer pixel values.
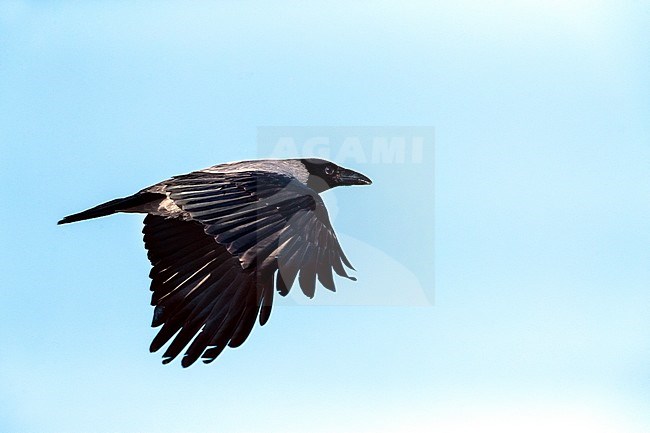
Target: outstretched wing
(200, 292)
(214, 273)
(269, 221)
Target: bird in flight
(221, 240)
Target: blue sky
(503, 280)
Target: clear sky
(504, 279)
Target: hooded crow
(223, 239)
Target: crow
(223, 239)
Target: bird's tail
(111, 207)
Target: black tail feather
(110, 207)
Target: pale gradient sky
(537, 315)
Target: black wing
(213, 275)
(198, 288)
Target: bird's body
(223, 239)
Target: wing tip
(187, 361)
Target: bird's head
(324, 175)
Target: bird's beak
(349, 177)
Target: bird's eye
(329, 170)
